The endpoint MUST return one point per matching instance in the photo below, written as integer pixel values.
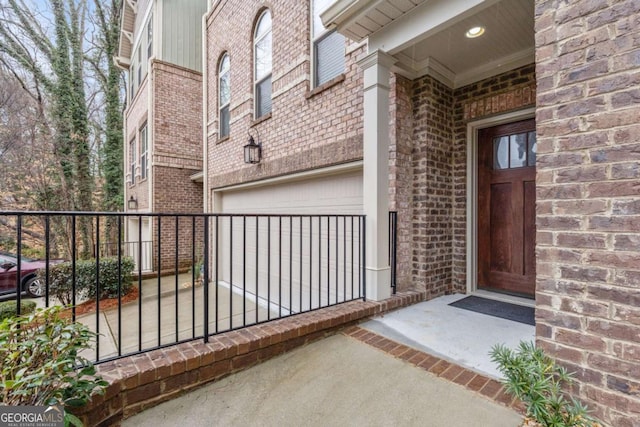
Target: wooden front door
(506, 207)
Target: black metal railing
(393, 248)
(242, 270)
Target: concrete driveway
(338, 381)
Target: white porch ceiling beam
(425, 20)
(128, 35)
(133, 4)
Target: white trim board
(331, 170)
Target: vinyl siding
(182, 32)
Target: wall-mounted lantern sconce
(253, 151)
(132, 204)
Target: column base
(378, 283)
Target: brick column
(376, 67)
(588, 241)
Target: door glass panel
(518, 150)
(533, 148)
(501, 153)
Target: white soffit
(127, 24)
(428, 36)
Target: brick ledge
(142, 381)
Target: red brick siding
(432, 186)
(401, 174)
(177, 154)
(177, 120)
(588, 292)
(304, 132)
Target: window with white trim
(224, 95)
(132, 85)
(144, 152)
(132, 161)
(262, 57)
(139, 70)
(328, 47)
(150, 37)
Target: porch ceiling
(428, 36)
(127, 23)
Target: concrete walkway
(337, 381)
(460, 336)
(155, 319)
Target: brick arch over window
(262, 63)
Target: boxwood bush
(8, 308)
(61, 283)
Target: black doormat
(504, 310)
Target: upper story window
(132, 86)
(139, 68)
(262, 57)
(132, 161)
(150, 37)
(328, 47)
(224, 94)
(144, 152)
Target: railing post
(74, 254)
(18, 263)
(393, 247)
(364, 258)
(205, 279)
(97, 287)
(47, 257)
(119, 252)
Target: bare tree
(58, 53)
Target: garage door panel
(334, 194)
(294, 263)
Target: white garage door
(333, 194)
(307, 256)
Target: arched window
(262, 65)
(224, 95)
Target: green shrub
(8, 308)
(41, 362)
(60, 284)
(60, 279)
(535, 379)
(109, 277)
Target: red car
(29, 282)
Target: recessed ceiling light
(474, 32)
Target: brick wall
(506, 92)
(177, 120)
(588, 287)
(432, 186)
(177, 154)
(307, 128)
(401, 174)
(428, 170)
(176, 192)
